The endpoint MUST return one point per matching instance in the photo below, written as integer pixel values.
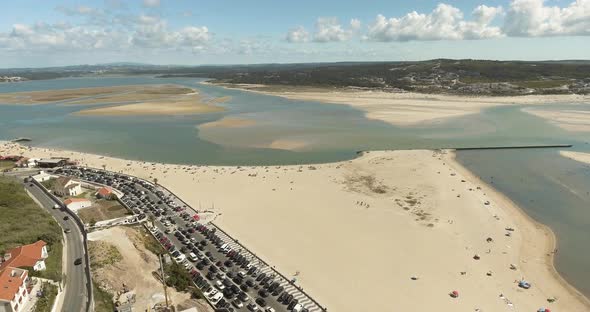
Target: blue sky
(49, 33)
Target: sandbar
(179, 105)
(404, 108)
(94, 95)
(567, 119)
(228, 122)
(357, 231)
(577, 156)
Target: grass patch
(49, 184)
(45, 303)
(103, 300)
(6, 165)
(150, 242)
(24, 222)
(103, 210)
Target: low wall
(80, 224)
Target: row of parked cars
(225, 276)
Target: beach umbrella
(454, 294)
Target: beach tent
(196, 217)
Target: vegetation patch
(6, 165)
(364, 183)
(103, 300)
(102, 210)
(45, 302)
(150, 243)
(24, 222)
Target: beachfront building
(31, 255)
(77, 203)
(51, 162)
(67, 187)
(42, 176)
(104, 193)
(13, 289)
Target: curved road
(75, 296)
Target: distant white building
(42, 176)
(75, 204)
(67, 187)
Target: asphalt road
(75, 296)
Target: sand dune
(357, 231)
(404, 109)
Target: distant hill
(433, 76)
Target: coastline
(405, 108)
(216, 180)
(549, 237)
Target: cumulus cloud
(328, 29)
(110, 32)
(533, 18)
(445, 22)
(298, 34)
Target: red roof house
(104, 192)
(32, 255)
(13, 289)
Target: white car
(212, 293)
(269, 309)
(192, 257)
(218, 296)
(219, 285)
(297, 308)
(180, 258)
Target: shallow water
(551, 188)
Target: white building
(13, 290)
(42, 176)
(75, 204)
(67, 187)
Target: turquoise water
(550, 188)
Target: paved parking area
(231, 277)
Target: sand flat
(366, 226)
(567, 119)
(228, 122)
(183, 105)
(98, 94)
(405, 109)
(577, 156)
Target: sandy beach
(577, 156)
(405, 109)
(358, 231)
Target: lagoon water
(550, 188)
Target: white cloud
(533, 18)
(151, 3)
(298, 34)
(328, 29)
(445, 22)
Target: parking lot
(230, 276)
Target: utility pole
(163, 281)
